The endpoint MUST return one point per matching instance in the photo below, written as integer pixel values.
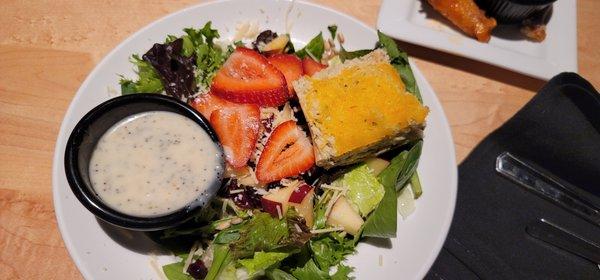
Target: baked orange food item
(358, 109)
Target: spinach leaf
(415, 184)
(314, 49)
(399, 59)
(221, 258)
(345, 55)
(174, 271)
(332, 31)
(382, 222)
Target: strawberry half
(310, 66)
(288, 152)
(237, 129)
(291, 67)
(207, 103)
(247, 77)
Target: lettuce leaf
(310, 271)
(314, 49)
(262, 261)
(196, 42)
(278, 274)
(330, 249)
(364, 190)
(261, 233)
(382, 222)
(148, 80)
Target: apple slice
(277, 199)
(343, 215)
(377, 165)
(302, 199)
(299, 193)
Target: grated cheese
(332, 187)
(298, 229)
(156, 267)
(224, 208)
(279, 212)
(236, 191)
(327, 230)
(189, 258)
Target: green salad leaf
(261, 233)
(364, 190)
(399, 59)
(314, 49)
(174, 271)
(382, 222)
(330, 249)
(415, 184)
(148, 80)
(262, 261)
(198, 42)
(278, 274)
(310, 271)
(332, 30)
(345, 55)
(221, 259)
(342, 273)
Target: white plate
(104, 252)
(416, 22)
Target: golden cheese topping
(362, 105)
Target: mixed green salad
(277, 229)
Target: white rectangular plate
(416, 22)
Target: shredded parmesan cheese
(298, 229)
(327, 230)
(324, 186)
(189, 258)
(279, 212)
(156, 267)
(236, 191)
(224, 208)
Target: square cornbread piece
(358, 109)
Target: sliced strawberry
(207, 103)
(288, 152)
(237, 129)
(311, 67)
(247, 77)
(291, 67)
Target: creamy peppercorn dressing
(154, 163)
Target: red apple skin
(305, 208)
(299, 193)
(270, 207)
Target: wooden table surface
(47, 48)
